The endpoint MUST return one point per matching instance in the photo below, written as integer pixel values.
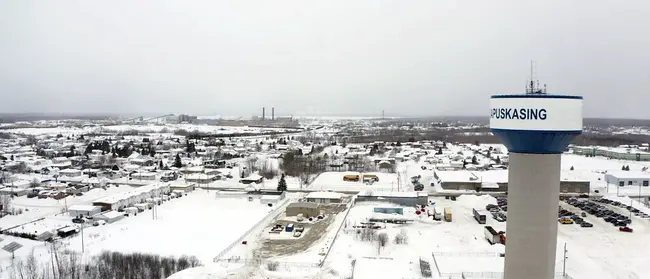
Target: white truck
(494, 237)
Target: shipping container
(479, 215)
(447, 214)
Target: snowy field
(198, 224)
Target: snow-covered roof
(456, 176)
(137, 191)
(324, 195)
(83, 207)
(371, 193)
(112, 214)
(629, 174)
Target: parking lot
(603, 212)
(314, 231)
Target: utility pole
(564, 262)
(82, 238)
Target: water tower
(536, 127)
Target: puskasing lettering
(519, 113)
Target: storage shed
(324, 197)
(401, 198)
(110, 216)
(81, 210)
(628, 178)
(307, 209)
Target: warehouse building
(497, 181)
(401, 198)
(628, 178)
(632, 154)
(81, 210)
(324, 197)
(307, 209)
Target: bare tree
(251, 163)
(5, 201)
(367, 234)
(382, 239)
(402, 237)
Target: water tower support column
(536, 129)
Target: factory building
(497, 181)
(632, 154)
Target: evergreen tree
(177, 162)
(282, 184)
(12, 157)
(439, 151)
(498, 160)
(623, 168)
(152, 152)
(571, 168)
(474, 161)
(160, 166)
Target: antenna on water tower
(531, 88)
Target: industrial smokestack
(263, 112)
(272, 113)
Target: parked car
(625, 229)
(78, 220)
(586, 225)
(565, 221)
(99, 223)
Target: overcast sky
(429, 57)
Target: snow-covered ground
(457, 243)
(603, 251)
(197, 224)
(145, 128)
(334, 181)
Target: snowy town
(297, 203)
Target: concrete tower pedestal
(533, 191)
(536, 128)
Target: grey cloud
(329, 57)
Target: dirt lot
(313, 232)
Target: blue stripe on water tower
(536, 123)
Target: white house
(81, 210)
(628, 178)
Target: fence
(272, 215)
(486, 275)
(467, 254)
(436, 264)
(259, 262)
(350, 205)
